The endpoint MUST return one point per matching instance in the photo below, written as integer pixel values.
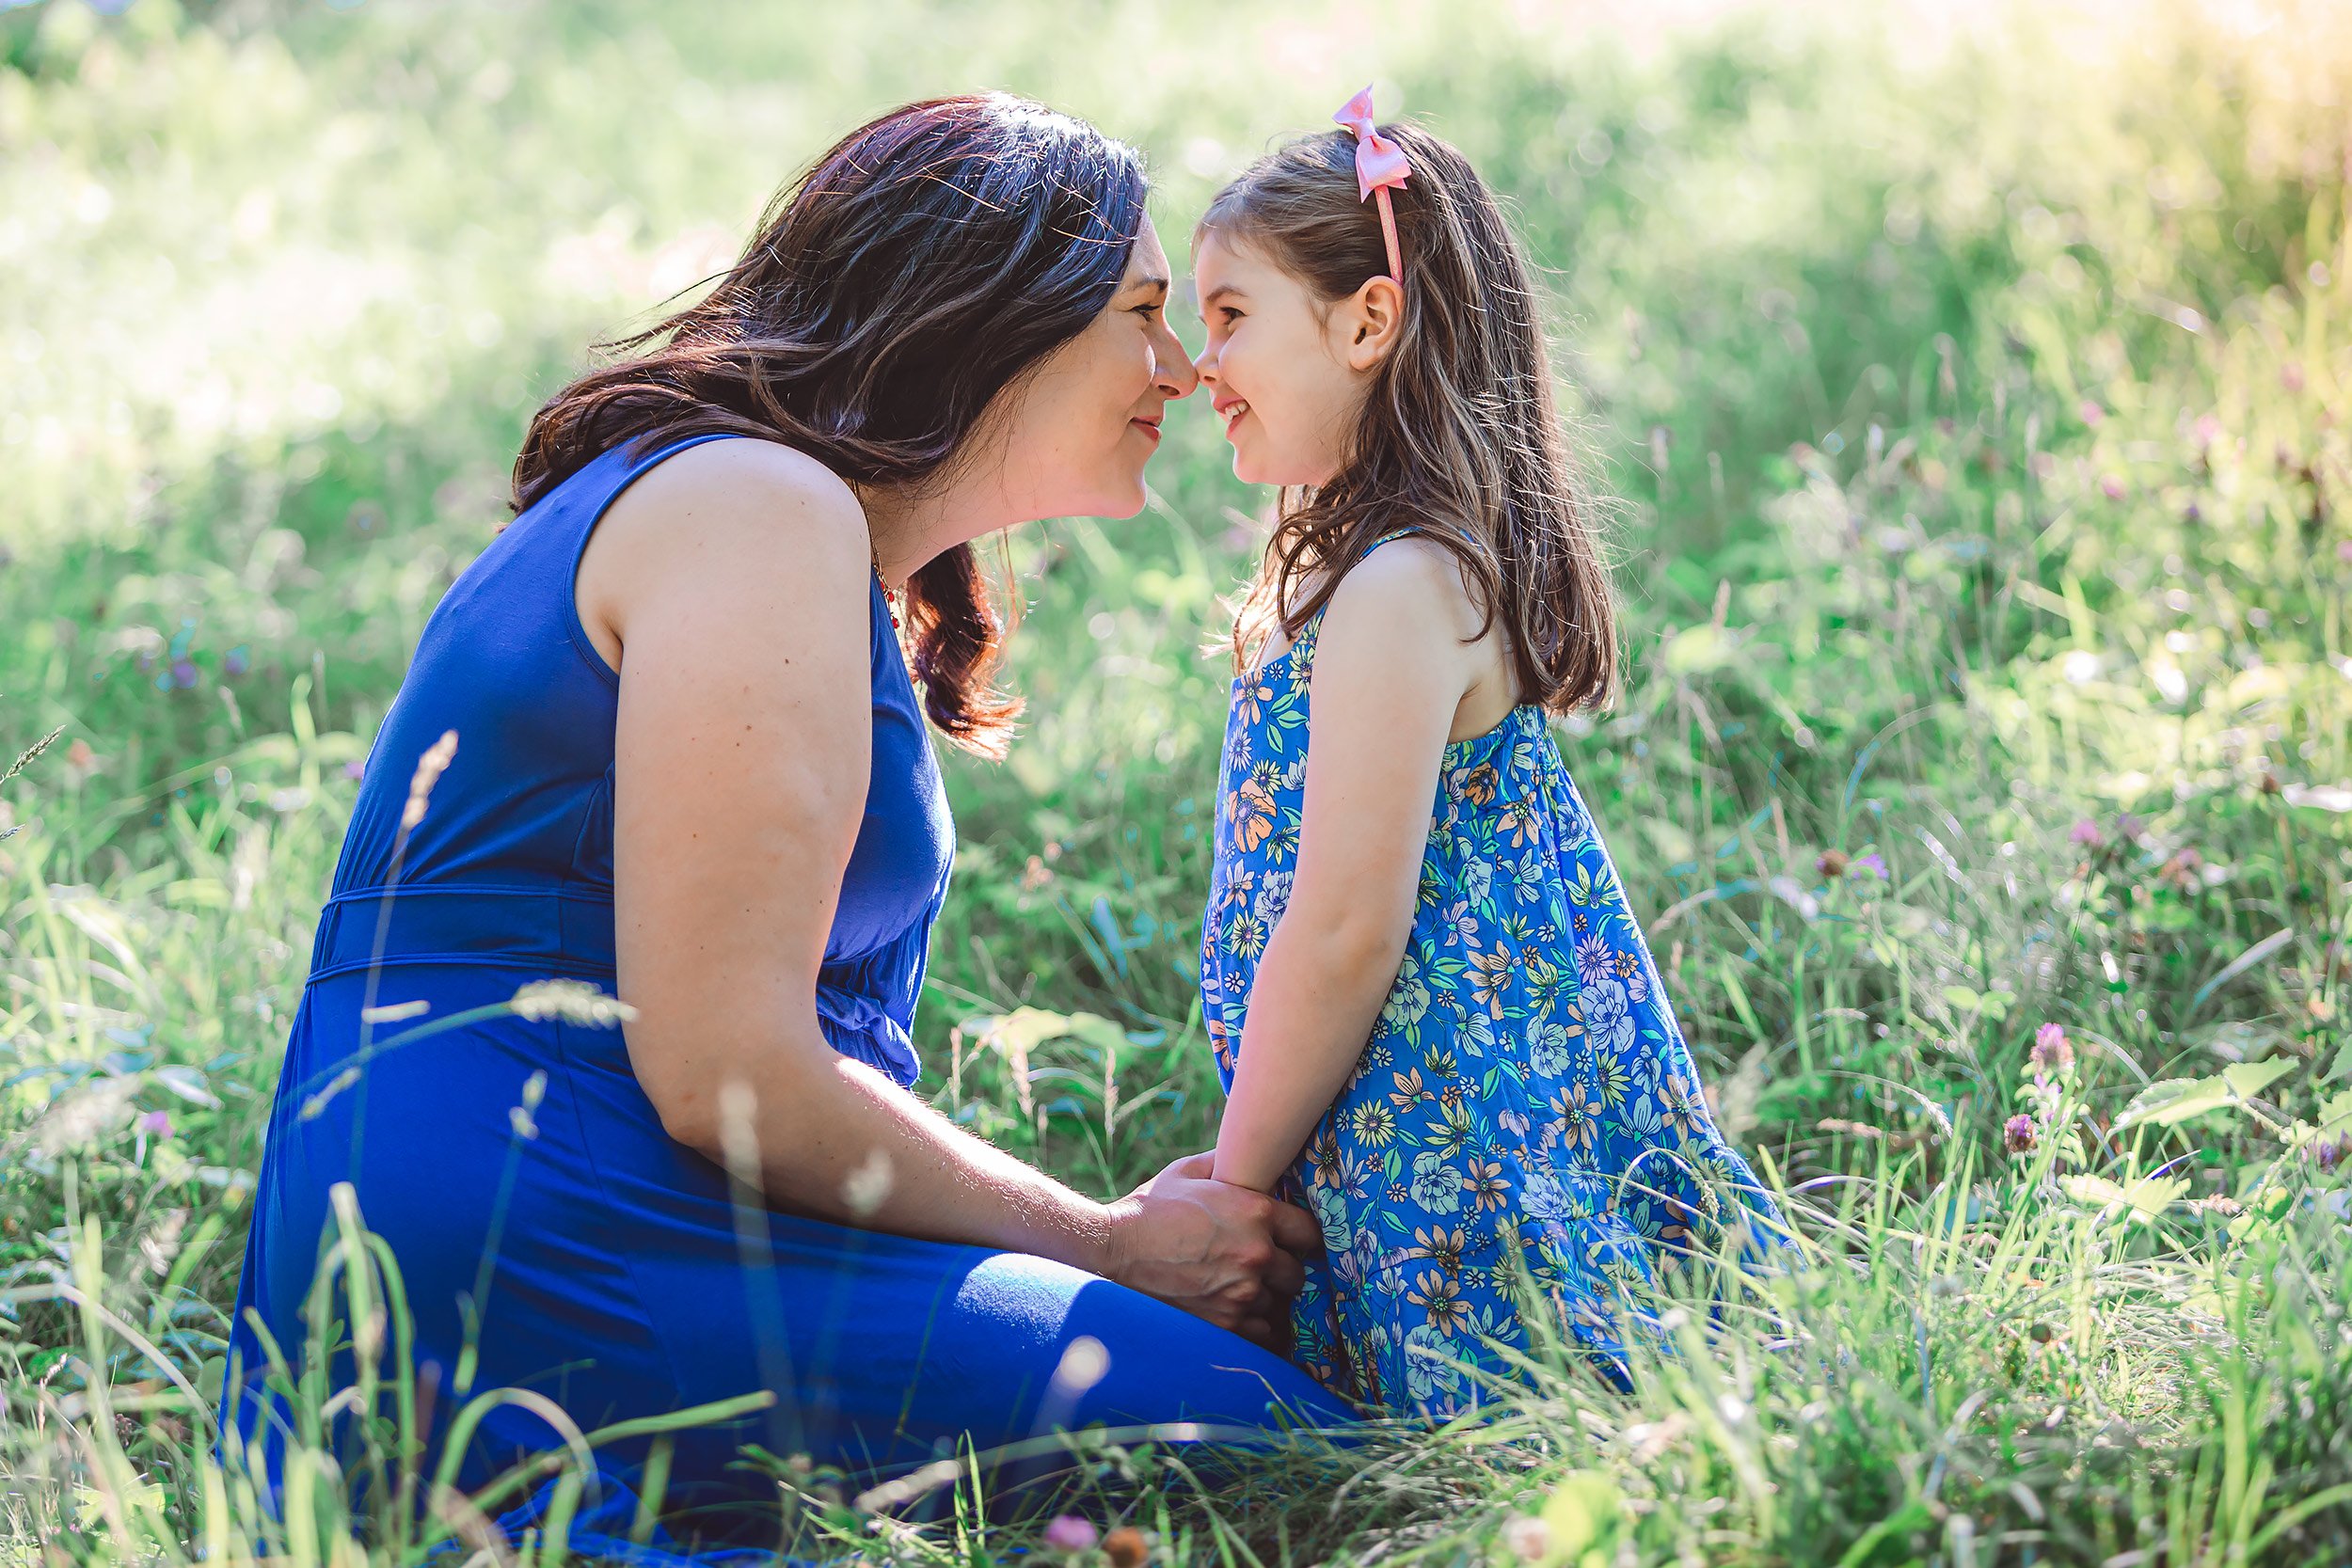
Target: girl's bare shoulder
(1416, 579)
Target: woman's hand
(1220, 1252)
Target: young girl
(1434, 1014)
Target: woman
(690, 768)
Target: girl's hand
(1220, 1252)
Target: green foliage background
(1969, 395)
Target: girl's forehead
(1226, 258)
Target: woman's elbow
(689, 1093)
(723, 1107)
(689, 1115)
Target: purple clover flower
(1067, 1533)
(2052, 1051)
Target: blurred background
(1966, 385)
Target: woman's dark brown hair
(912, 273)
(1459, 438)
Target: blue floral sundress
(1525, 1129)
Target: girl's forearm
(1318, 992)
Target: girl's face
(1287, 373)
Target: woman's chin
(1119, 501)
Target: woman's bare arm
(734, 581)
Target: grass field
(1974, 401)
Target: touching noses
(1171, 367)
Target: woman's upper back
(513, 857)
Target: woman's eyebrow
(1152, 281)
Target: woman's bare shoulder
(714, 514)
(763, 485)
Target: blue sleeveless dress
(621, 1281)
(1525, 1128)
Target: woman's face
(1279, 366)
(1086, 420)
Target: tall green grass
(1973, 402)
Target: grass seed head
(570, 1002)
(430, 767)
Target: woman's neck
(911, 525)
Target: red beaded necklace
(890, 594)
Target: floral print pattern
(1524, 1132)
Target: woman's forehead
(1147, 259)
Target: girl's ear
(1370, 322)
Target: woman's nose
(1176, 376)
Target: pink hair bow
(1380, 166)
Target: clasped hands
(1228, 1254)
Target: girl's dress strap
(1391, 534)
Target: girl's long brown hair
(1459, 438)
(893, 289)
